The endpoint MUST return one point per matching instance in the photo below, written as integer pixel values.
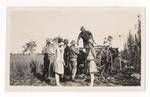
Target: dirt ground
(38, 80)
(21, 75)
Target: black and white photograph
(75, 47)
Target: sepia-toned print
(75, 47)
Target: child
(59, 63)
(91, 64)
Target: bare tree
(29, 46)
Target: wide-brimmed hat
(61, 43)
(73, 42)
(66, 41)
(49, 40)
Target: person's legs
(70, 68)
(51, 66)
(93, 70)
(74, 70)
(57, 79)
(92, 79)
(49, 69)
(93, 50)
(86, 61)
(46, 67)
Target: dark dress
(67, 71)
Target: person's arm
(92, 38)
(56, 53)
(78, 39)
(75, 50)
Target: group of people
(58, 54)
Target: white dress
(91, 63)
(59, 62)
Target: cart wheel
(103, 58)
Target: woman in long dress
(59, 63)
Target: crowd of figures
(60, 57)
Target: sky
(25, 24)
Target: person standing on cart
(88, 44)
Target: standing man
(49, 57)
(74, 51)
(88, 43)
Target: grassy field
(22, 68)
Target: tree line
(132, 48)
